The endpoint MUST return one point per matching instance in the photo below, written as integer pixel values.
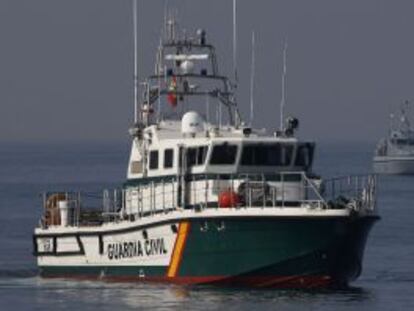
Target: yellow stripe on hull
(178, 249)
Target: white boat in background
(395, 154)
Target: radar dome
(192, 123)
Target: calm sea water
(387, 281)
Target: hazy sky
(66, 65)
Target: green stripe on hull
(276, 247)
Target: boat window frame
(402, 141)
(136, 167)
(202, 151)
(169, 154)
(285, 154)
(197, 149)
(228, 163)
(310, 147)
(153, 161)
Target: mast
(283, 100)
(252, 74)
(235, 42)
(390, 130)
(135, 34)
(165, 28)
(404, 117)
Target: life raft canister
(228, 198)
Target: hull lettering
(151, 247)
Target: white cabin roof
(171, 130)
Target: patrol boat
(208, 199)
(395, 154)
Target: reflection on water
(61, 294)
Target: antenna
(135, 26)
(235, 41)
(283, 100)
(159, 84)
(207, 109)
(404, 116)
(165, 27)
(171, 24)
(252, 74)
(392, 123)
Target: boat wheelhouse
(208, 199)
(395, 154)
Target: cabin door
(183, 180)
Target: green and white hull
(275, 248)
(209, 202)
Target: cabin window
(153, 160)
(224, 154)
(191, 156)
(408, 142)
(201, 155)
(287, 155)
(168, 158)
(304, 155)
(266, 155)
(196, 156)
(136, 167)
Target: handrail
(313, 187)
(252, 190)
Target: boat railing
(73, 208)
(201, 192)
(358, 191)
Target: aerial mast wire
(159, 72)
(135, 79)
(284, 84)
(165, 27)
(235, 42)
(252, 76)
